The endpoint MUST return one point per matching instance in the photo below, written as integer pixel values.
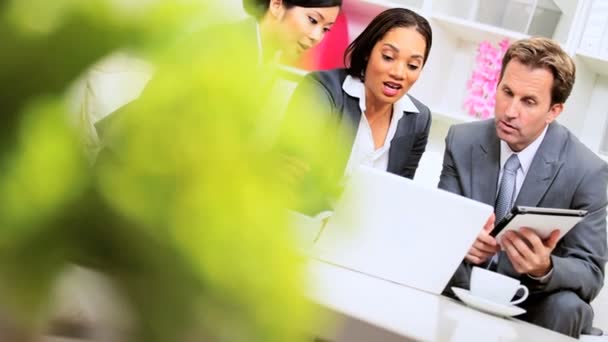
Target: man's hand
(485, 246)
(528, 253)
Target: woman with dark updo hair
(290, 27)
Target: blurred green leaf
(186, 209)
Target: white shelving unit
(590, 104)
(550, 18)
(589, 101)
(453, 117)
(411, 4)
(474, 31)
(596, 63)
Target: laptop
(393, 228)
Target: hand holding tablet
(541, 220)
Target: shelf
(596, 63)
(473, 31)
(452, 116)
(390, 4)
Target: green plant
(186, 211)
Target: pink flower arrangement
(482, 85)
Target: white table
(371, 309)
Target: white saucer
(487, 305)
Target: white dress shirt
(364, 151)
(525, 157)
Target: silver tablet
(542, 220)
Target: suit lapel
(544, 168)
(485, 166)
(401, 142)
(350, 116)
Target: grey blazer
(563, 174)
(412, 133)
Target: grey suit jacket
(412, 133)
(563, 174)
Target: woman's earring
(275, 8)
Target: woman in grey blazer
(383, 63)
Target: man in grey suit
(524, 157)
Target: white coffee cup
(496, 287)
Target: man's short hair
(540, 52)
